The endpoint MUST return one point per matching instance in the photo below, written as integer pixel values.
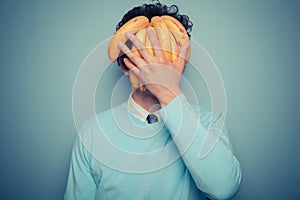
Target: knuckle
(161, 60)
(134, 39)
(152, 60)
(130, 56)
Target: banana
(178, 31)
(141, 35)
(174, 47)
(133, 25)
(163, 36)
(170, 32)
(175, 26)
(149, 46)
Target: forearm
(217, 173)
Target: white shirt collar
(138, 111)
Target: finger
(134, 58)
(155, 44)
(139, 45)
(131, 66)
(182, 57)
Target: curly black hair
(157, 9)
(151, 10)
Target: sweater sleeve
(80, 184)
(217, 173)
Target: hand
(161, 77)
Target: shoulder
(98, 122)
(103, 117)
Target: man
(163, 117)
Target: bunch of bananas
(170, 32)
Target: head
(151, 10)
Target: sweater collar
(138, 111)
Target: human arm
(80, 184)
(218, 173)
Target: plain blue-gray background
(255, 44)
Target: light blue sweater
(116, 156)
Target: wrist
(166, 98)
